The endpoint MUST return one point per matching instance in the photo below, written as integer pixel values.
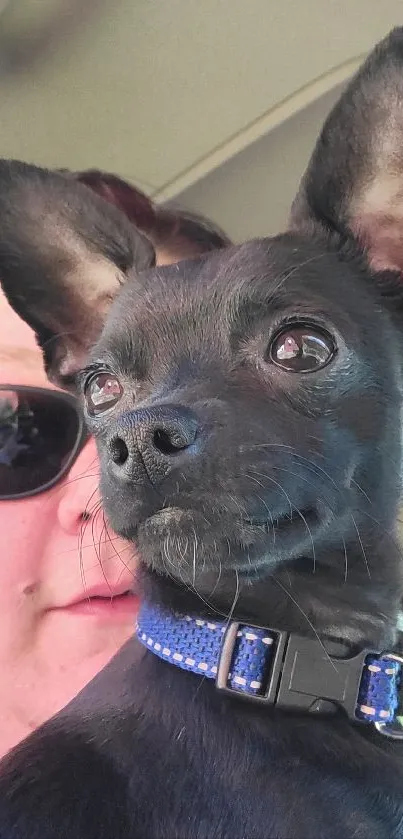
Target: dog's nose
(156, 436)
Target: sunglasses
(41, 434)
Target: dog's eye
(102, 392)
(301, 348)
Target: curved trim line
(256, 129)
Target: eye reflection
(102, 392)
(302, 349)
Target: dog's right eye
(102, 392)
(301, 348)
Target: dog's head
(247, 404)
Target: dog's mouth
(175, 540)
(308, 516)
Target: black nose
(154, 439)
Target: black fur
(251, 491)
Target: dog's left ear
(64, 253)
(354, 181)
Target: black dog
(247, 408)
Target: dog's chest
(214, 768)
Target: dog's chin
(184, 545)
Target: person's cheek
(25, 528)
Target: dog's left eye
(301, 348)
(102, 391)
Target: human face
(55, 551)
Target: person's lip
(104, 601)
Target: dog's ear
(354, 181)
(64, 253)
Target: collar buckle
(301, 675)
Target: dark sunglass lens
(38, 433)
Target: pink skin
(53, 640)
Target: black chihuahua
(247, 407)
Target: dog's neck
(353, 600)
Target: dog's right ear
(64, 253)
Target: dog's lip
(282, 519)
(279, 521)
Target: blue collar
(274, 667)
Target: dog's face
(246, 405)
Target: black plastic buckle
(302, 676)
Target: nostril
(169, 443)
(118, 451)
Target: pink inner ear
(381, 235)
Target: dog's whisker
(117, 553)
(235, 600)
(301, 515)
(393, 541)
(361, 545)
(182, 550)
(210, 606)
(98, 551)
(84, 524)
(110, 539)
(194, 558)
(361, 490)
(298, 475)
(217, 582)
(302, 478)
(239, 506)
(94, 524)
(267, 477)
(305, 616)
(294, 455)
(165, 548)
(345, 560)
(288, 575)
(70, 481)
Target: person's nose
(79, 493)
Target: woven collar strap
(276, 667)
